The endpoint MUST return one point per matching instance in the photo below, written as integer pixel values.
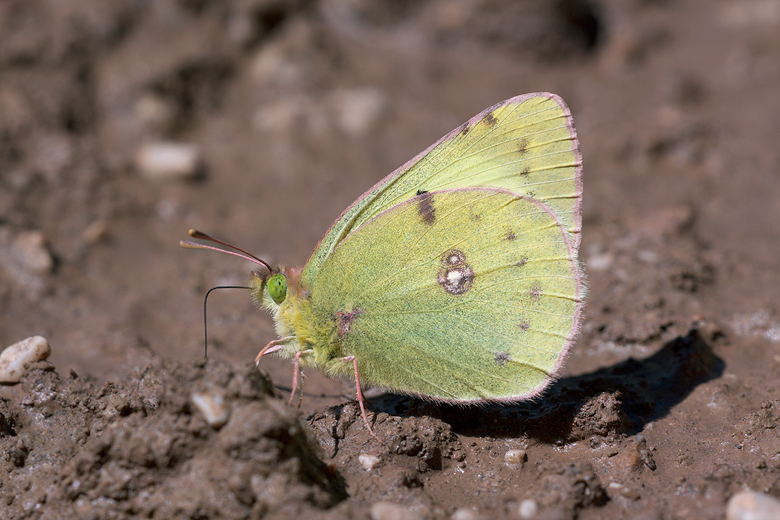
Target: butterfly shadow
(618, 399)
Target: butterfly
(456, 277)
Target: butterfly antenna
(194, 233)
(205, 321)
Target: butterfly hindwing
(462, 294)
(526, 145)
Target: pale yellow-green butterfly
(456, 277)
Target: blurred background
(125, 123)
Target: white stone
(155, 112)
(213, 407)
(274, 65)
(749, 505)
(463, 513)
(26, 259)
(368, 461)
(617, 488)
(30, 249)
(647, 256)
(390, 511)
(168, 161)
(358, 110)
(13, 358)
(515, 458)
(528, 509)
(600, 262)
(282, 116)
(96, 232)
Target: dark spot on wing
(344, 320)
(525, 172)
(455, 275)
(490, 119)
(510, 235)
(425, 207)
(524, 325)
(476, 217)
(421, 192)
(464, 129)
(501, 357)
(536, 291)
(522, 146)
(521, 262)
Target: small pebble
(647, 256)
(169, 161)
(96, 232)
(156, 113)
(30, 249)
(600, 262)
(749, 505)
(213, 408)
(13, 358)
(275, 65)
(358, 110)
(463, 513)
(283, 116)
(368, 461)
(623, 491)
(528, 509)
(515, 458)
(26, 260)
(390, 511)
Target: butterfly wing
(526, 144)
(461, 295)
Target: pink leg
(360, 398)
(296, 375)
(273, 346)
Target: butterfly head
(276, 288)
(269, 288)
(279, 292)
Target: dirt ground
(670, 402)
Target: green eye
(277, 288)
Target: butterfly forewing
(526, 145)
(464, 294)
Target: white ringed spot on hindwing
(455, 275)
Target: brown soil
(671, 399)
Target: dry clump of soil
(140, 449)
